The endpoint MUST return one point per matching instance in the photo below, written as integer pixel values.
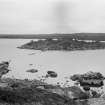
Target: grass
(37, 96)
(25, 92)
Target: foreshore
(37, 92)
(33, 92)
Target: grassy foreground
(31, 96)
(29, 92)
(24, 92)
(34, 92)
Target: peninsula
(63, 44)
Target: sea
(64, 63)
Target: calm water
(64, 63)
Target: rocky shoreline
(30, 92)
(37, 92)
(33, 92)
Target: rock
(52, 74)
(32, 70)
(4, 68)
(75, 92)
(91, 79)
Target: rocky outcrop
(91, 79)
(4, 68)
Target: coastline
(14, 90)
(63, 44)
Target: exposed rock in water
(51, 74)
(91, 79)
(32, 71)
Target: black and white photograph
(52, 52)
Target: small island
(63, 44)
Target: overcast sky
(51, 16)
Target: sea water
(65, 63)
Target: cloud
(51, 16)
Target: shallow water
(65, 63)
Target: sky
(51, 16)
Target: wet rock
(32, 71)
(91, 79)
(52, 74)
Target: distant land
(65, 43)
(80, 36)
